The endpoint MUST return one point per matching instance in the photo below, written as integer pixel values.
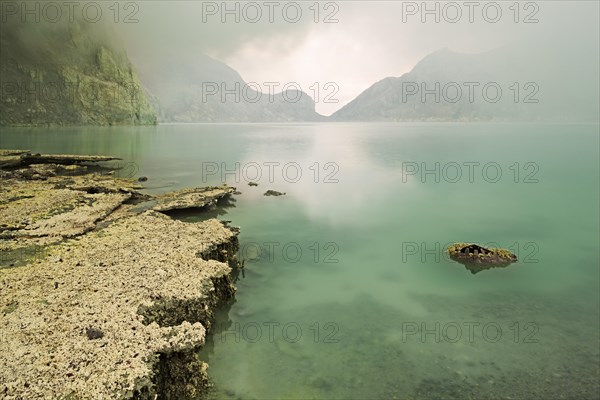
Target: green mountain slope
(67, 74)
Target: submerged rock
(252, 184)
(477, 258)
(22, 158)
(10, 158)
(273, 193)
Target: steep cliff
(70, 73)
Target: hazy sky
(364, 41)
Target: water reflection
(377, 294)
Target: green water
(382, 313)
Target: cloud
(215, 28)
(377, 39)
(353, 44)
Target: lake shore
(103, 294)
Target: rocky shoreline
(102, 294)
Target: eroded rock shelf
(115, 299)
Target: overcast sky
(363, 42)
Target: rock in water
(273, 193)
(477, 258)
(192, 198)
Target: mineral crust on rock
(118, 301)
(192, 198)
(477, 258)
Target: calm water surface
(346, 292)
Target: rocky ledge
(22, 158)
(477, 258)
(101, 295)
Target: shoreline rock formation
(24, 158)
(104, 296)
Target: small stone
(142, 179)
(252, 184)
(93, 333)
(273, 193)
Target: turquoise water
(346, 292)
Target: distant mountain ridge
(498, 85)
(198, 88)
(79, 74)
(438, 88)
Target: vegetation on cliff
(67, 73)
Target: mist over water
(346, 291)
(417, 125)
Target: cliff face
(67, 74)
